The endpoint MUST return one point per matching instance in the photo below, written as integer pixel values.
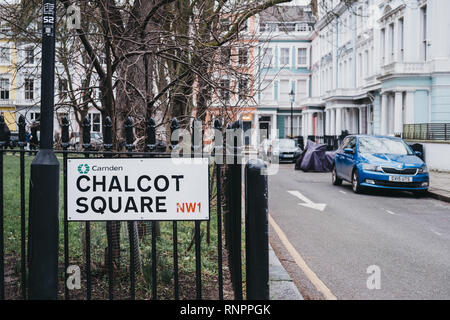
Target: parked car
(380, 162)
(285, 150)
(96, 141)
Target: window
(284, 57)
(244, 26)
(267, 90)
(424, 52)
(267, 57)
(392, 41)
(296, 126)
(302, 27)
(302, 57)
(225, 55)
(62, 86)
(35, 116)
(285, 89)
(286, 27)
(225, 90)
(367, 62)
(401, 39)
(29, 89)
(4, 89)
(29, 55)
(5, 55)
(360, 67)
(243, 89)
(95, 120)
(225, 24)
(383, 46)
(243, 56)
(301, 89)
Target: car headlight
(371, 167)
(424, 169)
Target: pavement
(281, 285)
(376, 245)
(440, 185)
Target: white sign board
(137, 189)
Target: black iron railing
(228, 202)
(427, 131)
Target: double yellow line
(320, 286)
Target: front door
(247, 126)
(264, 132)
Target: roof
(287, 14)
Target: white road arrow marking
(308, 203)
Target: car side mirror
(418, 153)
(348, 151)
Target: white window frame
(297, 50)
(283, 65)
(264, 63)
(297, 93)
(5, 46)
(91, 119)
(26, 56)
(8, 79)
(280, 97)
(272, 96)
(25, 91)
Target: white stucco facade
(378, 65)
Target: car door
(349, 159)
(339, 160)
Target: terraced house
(284, 70)
(379, 67)
(8, 79)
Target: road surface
(327, 237)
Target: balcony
(405, 68)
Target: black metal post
(87, 147)
(44, 182)
(23, 257)
(236, 213)
(197, 143)
(2, 236)
(132, 234)
(65, 145)
(256, 231)
(173, 143)
(292, 120)
(108, 145)
(218, 147)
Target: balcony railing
(427, 131)
(405, 67)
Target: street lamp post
(292, 99)
(44, 180)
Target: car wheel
(334, 177)
(356, 186)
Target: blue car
(380, 162)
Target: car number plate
(400, 179)
(288, 155)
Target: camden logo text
(85, 169)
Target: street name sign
(138, 189)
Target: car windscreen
(284, 144)
(383, 145)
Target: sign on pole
(138, 189)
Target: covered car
(315, 158)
